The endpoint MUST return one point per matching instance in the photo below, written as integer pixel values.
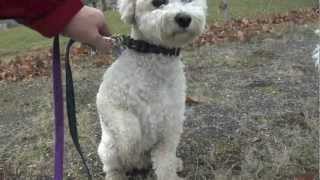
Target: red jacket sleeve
(48, 17)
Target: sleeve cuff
(54, 22)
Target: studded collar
(145, 47)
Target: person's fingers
(104, 30)
(89, 26)
(103, 44)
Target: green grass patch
(115, 24)
(22, 39)
(255, 8)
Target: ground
(256, 116)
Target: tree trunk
(224, 7)
(94, 3)
(104, 5)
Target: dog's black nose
(183, 20)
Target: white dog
(141, 100)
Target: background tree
(224, 7)
(92, 3)
(104, 5)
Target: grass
(115, 24)
(254, 8)
(21, 39)
(241, 132)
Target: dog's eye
(158, 3)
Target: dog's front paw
(115, 176)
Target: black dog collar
(145, 47)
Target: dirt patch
(258, 116)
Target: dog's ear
(127, 10)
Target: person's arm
(51, 17)
(48, 17)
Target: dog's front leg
(109, 156)
(165, 161)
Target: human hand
(88, 26)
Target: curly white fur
(141, 100)
(316, 52)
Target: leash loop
(71, 108)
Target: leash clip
(117, 45)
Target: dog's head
(170, 23)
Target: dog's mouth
(178, 38)
(180, 31)
(186, 34)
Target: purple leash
(58, 111)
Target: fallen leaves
(102, 60)
(244, 29)
(26, 67)
(195, 100)
(81, 51)
(306, 177)
(37, 63)
(191, 101)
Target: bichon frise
(141, 100)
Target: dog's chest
(156, 95)
(144, 80)
(157, 80)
